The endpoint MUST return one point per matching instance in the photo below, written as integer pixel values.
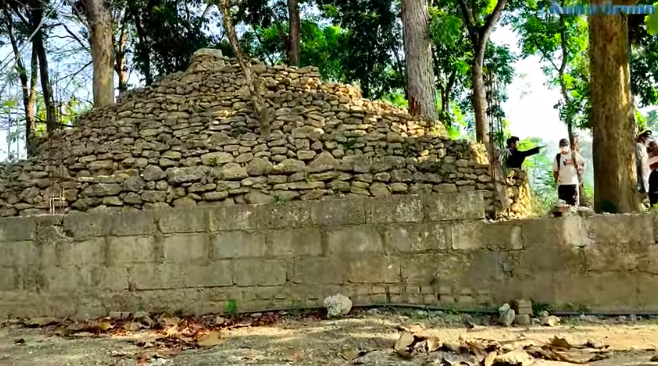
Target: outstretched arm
(531, 152)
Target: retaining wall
(433, 249)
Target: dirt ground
(298, 340)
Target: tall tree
(479, 28)
(99, 22)
(254, 84)
(612, 118)
(294, 40)
(418, 55)
(28, 81)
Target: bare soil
(297, 340)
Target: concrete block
(210, 275)
(596, 291)
(468, 235)
(291, 215)
(82, 226)
(621, 229)
(400, 208)
(131, 249)
(8, 279)
(17, 229)
(296, 242)
(90, 252)
(340, 211)
(132, 223)
(19, 253)
(67, 279)
(183, 221)
(354, 239)
(185, 247)
(150, 276)
(238, 244)
(259, 272)
(502, 236)
(454, 206)
(318, 271)
(109, 278)
(410, 238)
(368, 269)
(441, 271)
(238, 217)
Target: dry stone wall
(435, 250)
(192, 139)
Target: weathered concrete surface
(434, 250)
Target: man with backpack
(568, 168)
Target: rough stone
(337, 305)
(506, 315)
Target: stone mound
(192, 138)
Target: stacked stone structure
(192, 139)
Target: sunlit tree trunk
(612, 120)
(418, 55)
(36, 16)
(102, 51)
(294, 53)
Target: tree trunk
(294, 52)
(612, 123)
(102, 52)
(480, 103)
(36, 14)
(28, 99)
(142, 46)
(255, 85)
(418, 57)
(120, 65)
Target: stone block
(503, 236)
(185, 247)
(369, 269)
(8, 280)
(67, 279)
(82, 226)
(211, 275)
(613, 257)
(400, 208)
(150, 276)
(454, 206)
(110, 278)
(522, 319)
(238, 217)
(468, 235)
(296, 242)
(354, 239)
(238, 244)
(17, 229)
(596, 291)
(318, 271)
(410, 238)
(82, 253)
(132, 223)
(131, 249)
(647, 299)
(621, 229)
(340, 212)
(183, 221)
(259, 272)
(291, 215)
(19, 253)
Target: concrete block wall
(434, 249)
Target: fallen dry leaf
(132, 326)
(210, 340)
(404, 345)
(433, 344)
(515, 358)
(560, 343)
(296, 357)
(490, 359)
(102, 326)
(40, 322)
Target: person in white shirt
(643, 169)
(568, 168)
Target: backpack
(573, 157)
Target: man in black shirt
(513, 157)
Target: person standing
(653, 176)
(513, 156)
(642, 163)
(567, 168)
(582, 199)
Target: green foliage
(232, 307)
(540, 175)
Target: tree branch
(470, 22)
(491, 21)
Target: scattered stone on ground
(506, 315)
(337, 305)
